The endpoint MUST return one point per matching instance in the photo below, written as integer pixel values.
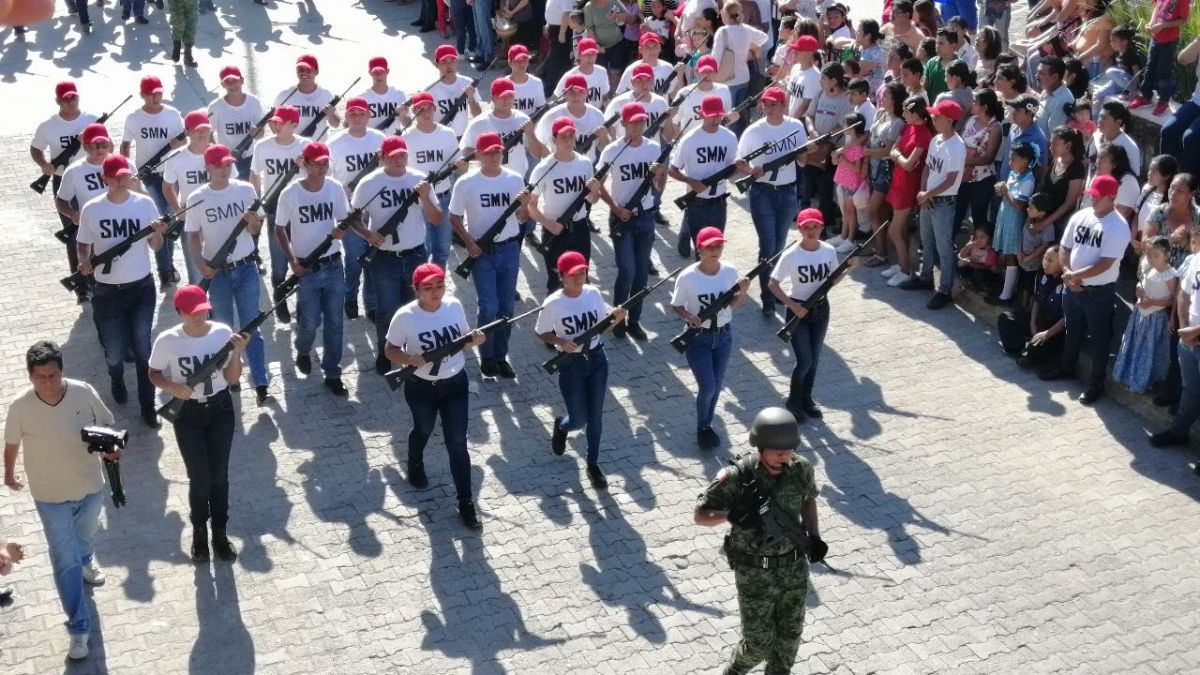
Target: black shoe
(481, 65)
(119, 393)
(466, 511)
(371, 315)
(351, 309)
(125, 16)
(797, 412)
(304, 364)
(916, 283)
(487, 368)
(938, 301)
(1165, 400)
(187, 57)
(427, 29)
(999, 301)
(558, 439)
(141, 19)
(416, 475)
(200, 544)
(282, 313)
(1195, 468)
(383, 365)
(176, 48)
(223, 548)
(810, 408)
(708, 439)
(768, 310)
(6, 596)
(334, 385)
(261, 395)
(636, 332)
(1091, 395)
(416, 23)
(1167, 439)
(597, 477)
(653, 271)
(684, 248)
(660, 218)
(1052, 374)
(81, 297)
(151, 418)
(158, 3)
(618, 331)
(504, 369)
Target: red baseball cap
(707, 64)
(562, 125)
(116, 166)
(419, 99)
(316, 152)
(191, 299)
(1103, 186)
(231, 73)
(805, 43)
(633, 112)
(151, 85)
(94, 133)
(502, 86)
(712, 106)
(377, 63)
(575, 82)
(642, 70)
(709, 236)
(809, 218)
(571, 262)
(773, 95)
(427, 272)
(308, 61)
(218, 155)
(358, 103)
(66, 89)
(947, 108)
(518, 52)
(647, 38)
(488, 141)
(587, 46)
(284, 114)
(196, 120)
(445, 53)
(392, 146)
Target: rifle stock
(63, 158)
(728, 171)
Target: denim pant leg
(332, 298)
(1160, 69)
(702, 213)
(279, 263)
(944, 228)
(707, 356)
(1181, 137)
(452, 406)
(1098, 307)
(928, 243)
(422, 407)
(806, 346)
(70, 529)
(464, 25)
(1189, 400)
(437, 237)
(484, 34)
(246, 294)
(389, 283)
(485, 277)
(108, 312)
(164, 256)
(355, 246)
(640, 231)
(1075, 329)
(739, 93)
(242, 167)
(140, 316)
(596, 386)
(508, 267)
(773, 212)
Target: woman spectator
(521, 13)
(1063, 182)
(988, 45)
(1114, 161)
(885, 131)
(871, 56)
(1158, 183)
(1181, 133)
(1009, 82)
(895, 72)
(909, 157)
(981, 134)
(1178, 212)
(1077, 79)
(604, 21)
(735, 45)
(925, 16)
(828, 113)
(558, 34)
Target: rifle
(821, 291)
(159, 158)
(638, 194)
(311, 127)
(312, 261)
(709, 313)
(437, 355)
(63, 158)
(585, 147)
(461, 101)
(104, 261)
(568, 216)
(779, 162)
(170, 410)
(489, 236)
(777, 525)
(243, 145)
(393, 223)
(728, 171)
(555, 362)
(221, 256)
(270, 199)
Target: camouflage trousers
(771, 603)
(184, 14)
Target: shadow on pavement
(223, 645)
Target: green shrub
(1137, 12)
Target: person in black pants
(1037, 335)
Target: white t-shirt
(569, 317)
(179, 355)
(1088, 239)
(231, 122)
(383, 105)
(597, 82)
(655, 105)
(416, 331)
(1123, 140)
(427, 152)
(55, 134)
(946, 156)
(272, 159)
(802, 271)
(695, 291)
(312, 215)
(782, 142)
(310, 105)
(1129, 193)
(734, 42)
(350, 155)
(565, 182)
(555, 10)
(104, 224)
(629, 170)
(215, 219)
(1189, 280)
(662, 71)
(479, 200)
(185, 170)
(530, 95)
(829, 112)
(81, 182)
(446, 95)
(868, 112)
(692, 11)
(700, 154)
(150, 132)
(689, 107)
(411, 231)
(517, 159)
(803, 84)
(585, 125)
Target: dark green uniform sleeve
(722, 492)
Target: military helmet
(775, 428)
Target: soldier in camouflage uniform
(771, 570)
(184, 14)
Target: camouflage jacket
(796, 485)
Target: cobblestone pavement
(980, 521)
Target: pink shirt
(847, 174)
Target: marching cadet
(504, 119)
(309, 99)
(588, 120)
(352, 152)
(184, 173)
(308, 211)
(83, 180)
(477, 201)
(708, 352)
(426, 323)
(689, 108)
(558, 180)
(631, 226)
(700, 153)
(454, 93)
(641, 78)
(430, 146)
(596, 77)
(383, 100)
(52, 137)
(649, 46)
(399, 254)
(234, 289)
(204, 428)
(583, 377)
(234, 115)
(530, 91)
(147, 130)
(123, 300)
(274, 156)
(771, 572)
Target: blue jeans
(437, 237)
(484, 34)
(71, 529)
(577, 238)
(1118, 80)
(1189, 400)
(707, 356)
(236, 293)
(773, 211)
(393, 288)
(243, 167)
(164, 257)
(138, 7)
(937, 239)
(632, 250)
(699, 214)
(495, 277)
(448, 398)
(583, 382)
(1089, 314)
(321, 295)
(464, 26)
(123, 318)
(1181, 137)
(355, 246)
(1160, 70)
(806, 347)
(737, 94)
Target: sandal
(875, 260)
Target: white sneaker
(845, 247)
(835, 240)
(92, 574)
(891, 271)
(897, 279)
(79, 647)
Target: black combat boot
(200, 543)
(176, 45)
(187, 57)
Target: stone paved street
(979, 521)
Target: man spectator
(1025, 130)
(1055, 95)
(935, 68)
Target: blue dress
(1010, 222)
(1145, 353)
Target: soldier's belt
(764, 562)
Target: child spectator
(1033, 244)
(1036, 336)
(853, 189)
(859, 91)
(1167, 17)
(912, 74)
(1014, 194)
(1158, 181)
(966, 51)
(1144, 356)
(1127, 62)
(1081, 117)
(977, 260)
